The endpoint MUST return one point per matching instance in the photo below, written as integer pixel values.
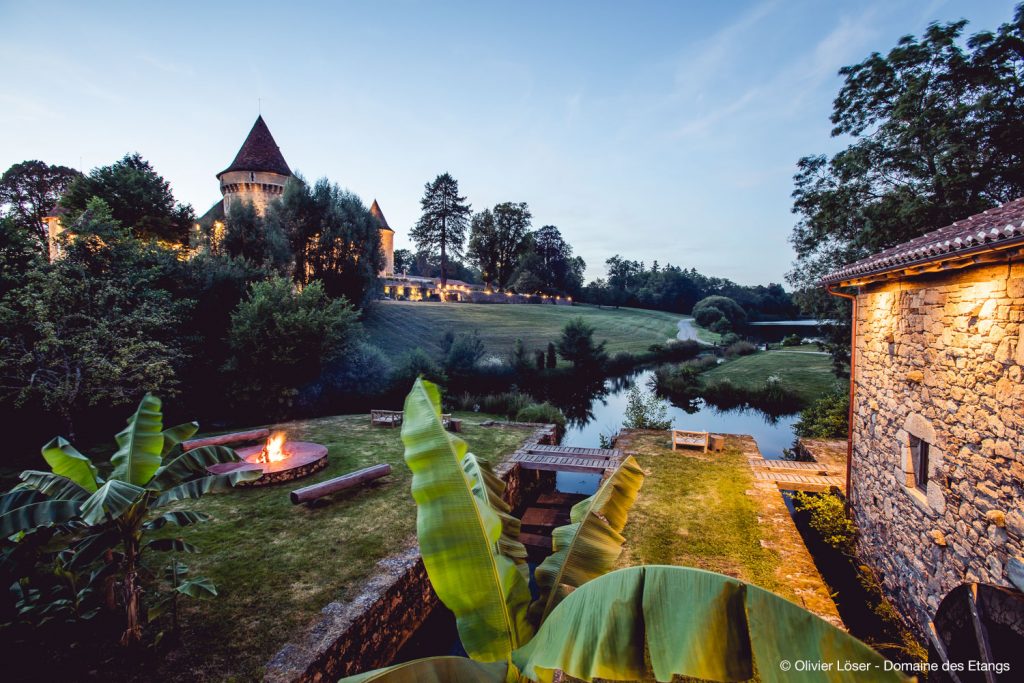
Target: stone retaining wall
(367, 631)
(940, 359)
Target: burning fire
(273, 450)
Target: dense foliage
(644, 410)
(441, 228)
(577, 345)
(719, 314)
(30, 190)
(826, 418)
(937, 130)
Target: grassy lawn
(807, 374)
(692, 511)
(276, 565)
(397, 326)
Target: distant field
(808, 374)
(397, 326)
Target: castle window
(252, 177)
(919, 460)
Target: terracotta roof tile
(259, 152)
(379, 215)
(996, 228)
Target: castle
(258, 176)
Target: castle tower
(387, 240)
(258, 174)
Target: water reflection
(598, 409)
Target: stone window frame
(931, 497)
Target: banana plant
(632, 624)
(149, 471)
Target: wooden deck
(567, 458)
(792, 475)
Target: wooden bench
(386, 418)
(308, 494)
(226, 439)
(683, 437)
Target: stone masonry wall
(940, 358)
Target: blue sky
(657, 130)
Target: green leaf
(91, 548)
(177, 518)
(689, 622)
(66, 461)
(52, 485)
(175, 435)
(467, 539)
(436, 670)
(140, 444)
(199, 587)
(112, 499)
(590, 546)
(190, 464)
(24, 510)
(197, 488)
(169, 545)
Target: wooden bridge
(793, 475)
(567, 458)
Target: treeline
(675, 289)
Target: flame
(273, 451)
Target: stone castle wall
(940, 358)
(257, 187)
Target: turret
(387, 240)
(259, 172)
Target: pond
(604, 413)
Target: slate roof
(259, 152)
(998, 228)
(379, 215)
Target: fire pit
(279, 459)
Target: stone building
(258, 175)
(937, 466)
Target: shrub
(280, 340)
(792, 340)
(538, 359)
(364, 370)
(740, 348)
(577, 345)
(644, 410)
(464, 353)
(826, 418)
(678, 349)
(552, 358)
(729, 339)
(518, 358)
(507, 403)
(417, 363)
(827, 516)
(727, 308)
(542, 412)
(708, 315)
(721, 326)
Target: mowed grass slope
(276, 565)
(398, 326)
(806, 373)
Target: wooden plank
(545, 517)
(225, 439)
(559, 499)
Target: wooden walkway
(567, 458)
(792, 475)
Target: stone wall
(257, 187)
(940, 358)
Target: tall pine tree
(442, 227)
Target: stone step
(545, 518)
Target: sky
(665, 131)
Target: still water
(607, 408)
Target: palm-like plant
(628, 624)
(149, 471)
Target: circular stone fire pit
(303, 458)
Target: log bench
(226, 439)
(683, 437)
(308, 494)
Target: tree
(712, 309)
(281, 339)
(404, 260)
(938, 135)
(260, 242)
(552, 359)
(644, 410)
(334, 238)
(30, 190)
(483, 245)
(587, 622)
(442, 227)
(149, 471)
(577, 346)
(19, 253)
(561, 272)
(139, 199)
(95, 327)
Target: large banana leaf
(175, 435)
(197, 488)
(189, 464)
(589, 546)
(437, 670)
(467, 538)
(66, 461)
(692, 623)
(51, 485)
(110, 500)
(23, 509)
(140, 444)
